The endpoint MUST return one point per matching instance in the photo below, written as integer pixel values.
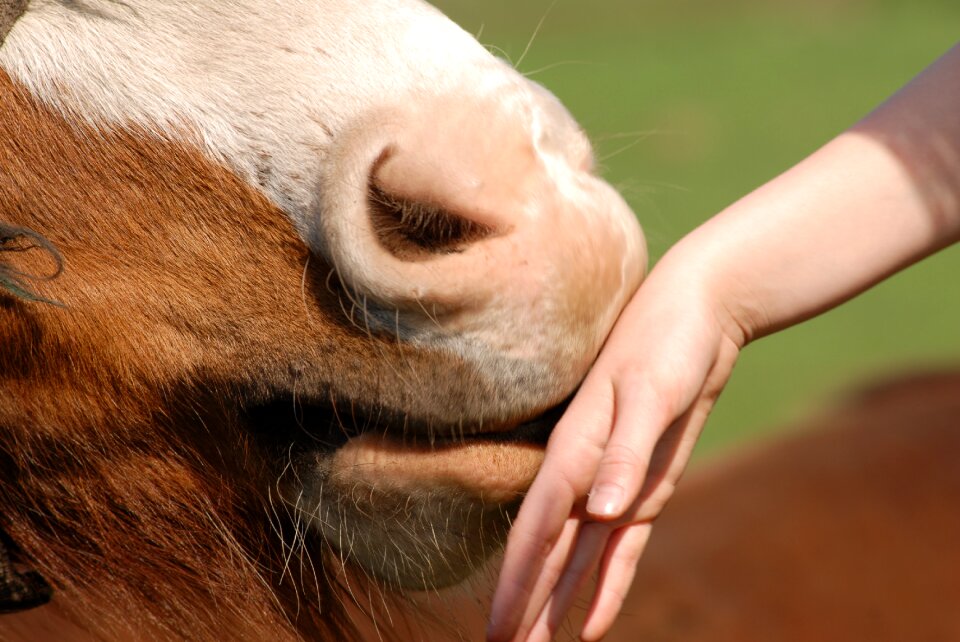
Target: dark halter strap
(19, 589)
(10, 12)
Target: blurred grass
(693, 103)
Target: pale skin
(874, 200)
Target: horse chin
(417, 512)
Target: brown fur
(127, 476)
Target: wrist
(699, 267)
(815, 236)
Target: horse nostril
(416, 229)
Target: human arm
(877, 198)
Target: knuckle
(622, 458)
(536, 548)
(572, 483)
(616, 596)
(627, 558)
(659, 392)
(588, 443)
(550, 575)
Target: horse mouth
(497, 465)
(288, 420)
(417, 509)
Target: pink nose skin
(477, 220)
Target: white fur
(261, 85)
(284, 93)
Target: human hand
(614, 458)
(869, 203)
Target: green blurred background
(693, 103)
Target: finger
(651, 394)
(617, 569)
(527, 577)
(572, 458)
(641, 416)
(668, 461)
(591, 543)
(577, 441)
(527, 610)
(528, 555)
(650, 467)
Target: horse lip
(328, 426)
(533, 431)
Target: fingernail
(605, 500)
